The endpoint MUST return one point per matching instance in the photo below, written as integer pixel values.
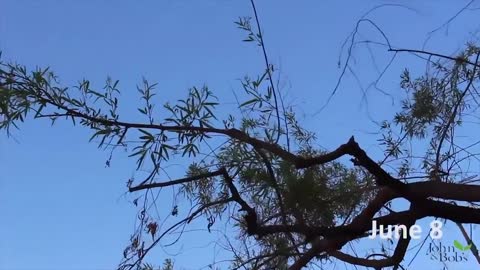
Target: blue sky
(62, 209)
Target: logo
(459, 246)
(445, 253)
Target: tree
(291, 203)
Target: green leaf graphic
(458, 245)
(467, 247)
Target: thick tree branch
(395, 259)
(362, 223)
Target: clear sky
(62, 209)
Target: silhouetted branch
(457, 59)
(176, 182)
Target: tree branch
(177, 181)
(475, 64)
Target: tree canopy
(288, 203)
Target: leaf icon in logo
(458, 245)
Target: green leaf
(99, 132)
(148, 136)
(467, 247)
(90, 91)
(249, 102)
(458, 245)
(137, 153)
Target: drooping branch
(188, 219)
